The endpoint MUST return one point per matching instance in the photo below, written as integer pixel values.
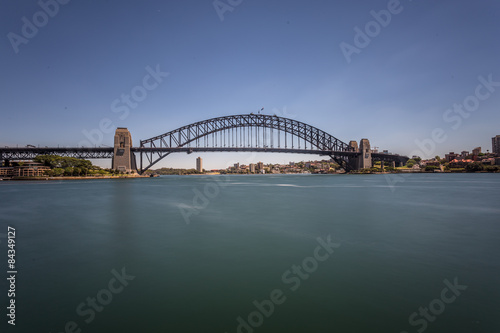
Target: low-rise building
(450, 157)
(24, 169)
(488, 161)
(459, 163)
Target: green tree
(431, 167)
(411, 162)
(474, 167)
(492, 168)
(58, 172)
(77, 171)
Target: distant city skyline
(409, 76)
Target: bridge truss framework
(249, 132)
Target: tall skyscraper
(495, 143)
(199, 164)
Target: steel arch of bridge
(248, 132)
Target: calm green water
(395, 247)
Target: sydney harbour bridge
(236, 133)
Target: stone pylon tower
(354, 144)
(123, 158)
(365, 157)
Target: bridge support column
(365, 157)
(382, 165)
(123, 158)
(393, 164)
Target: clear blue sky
(285, 56)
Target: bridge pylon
(365, 157)
(123, 158)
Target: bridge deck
(22, 153)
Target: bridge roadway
(27, 153)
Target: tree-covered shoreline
(61, 166)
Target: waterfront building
(495, 143)
(199, 164)
(476, 151)
(260, 166)
(24, 169)
(489, 161)
(450, 157)
(252, 167)
(464, 153)
(459, 163)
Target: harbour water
(268, 253)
